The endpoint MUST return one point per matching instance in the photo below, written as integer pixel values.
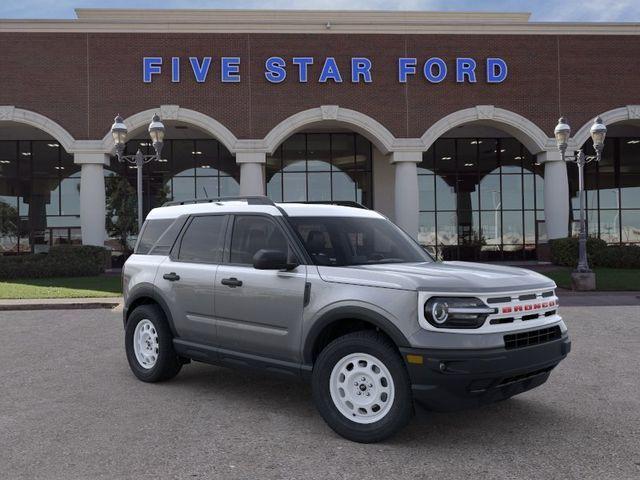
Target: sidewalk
(59, 303)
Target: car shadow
(513, 420)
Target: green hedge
(565, 252)
(61, 261)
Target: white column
(406, 190)
(251, 172)
(92, 197)
(556, 194)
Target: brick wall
(82, 80)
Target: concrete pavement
(70, 408)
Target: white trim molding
(10, 113)
(621, 114)
(373, 130)
(180, 114)
(527, 132)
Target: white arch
(621, 114)
(382, 138)
(175, 112)
(528, 133)
(9, 113)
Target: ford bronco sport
(340, 296)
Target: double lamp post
(582, 278)
(156, 132)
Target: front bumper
(455, 379)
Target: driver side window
(252, 233)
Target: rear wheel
(361, 387)
(149, 345)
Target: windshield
(345, 241)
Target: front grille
(534, 337)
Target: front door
(259, 311)
(187, 278)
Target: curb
(59, 304)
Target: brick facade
(80, 80)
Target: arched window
(321, 167)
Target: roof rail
(250, 199)
(342, 203)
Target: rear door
(186, 278)
(259, 311)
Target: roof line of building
(310, 21)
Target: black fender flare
(350, 312)
(147, 290)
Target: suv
(340, 296)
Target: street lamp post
(598, 132)
(119, 133)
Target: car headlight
(456, 312)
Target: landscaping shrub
(60, 261)
(565, 252)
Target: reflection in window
(480, 199)
(612, 188)
(321, 167)
(39, 196)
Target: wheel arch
(332, 320)
(145, 294)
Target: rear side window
(151, 232)
(203, 240)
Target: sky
(542, 10)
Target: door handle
(231, 282)
(172, 277)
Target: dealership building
(441, 121)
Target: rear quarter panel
(139, 270)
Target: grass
(607, 279)
(70, 287)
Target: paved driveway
(69, 408)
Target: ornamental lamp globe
(562, 133)
(598, 132)
(156, 129)
(119, 132)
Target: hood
(439, 276)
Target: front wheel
(149, 345)
(361, 387)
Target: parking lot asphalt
(70, 408)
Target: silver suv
(340, 296)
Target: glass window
(151, 232)
(343, 151)
(183, 153)
(630, 226)
(321, 167)
(319, 152)
(294, 153)
(512, 192)
(252, 233)
(427, 191)
(203, 240)
(320, 186)
(445, 193)
(341, 241)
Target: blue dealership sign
(299, 69)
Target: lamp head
(598, 133)
(156, 132)
(119, 133)
(562, 133)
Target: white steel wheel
(362, 388)
(145, 344)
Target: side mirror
(271, 260)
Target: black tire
(167, 364)
(379, 346)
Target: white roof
(241, 206)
